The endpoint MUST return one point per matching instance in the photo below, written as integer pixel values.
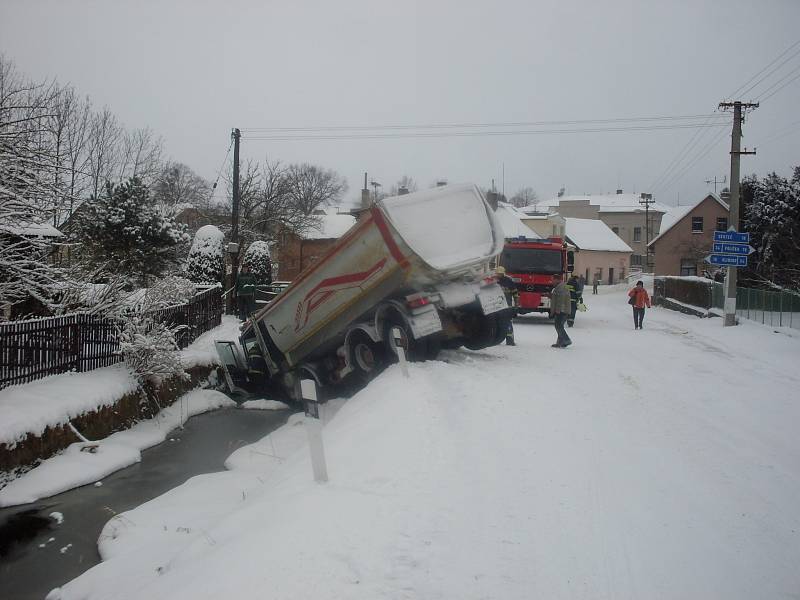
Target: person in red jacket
(639, 298)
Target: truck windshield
(532, 260)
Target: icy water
(37, 554)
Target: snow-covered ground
(662, 463)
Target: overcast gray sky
(192, 70)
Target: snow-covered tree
(24, 185)
(206, 260)
(772, 216)
(178, 185)
(149, 348)
(124, 229)
(258, 259)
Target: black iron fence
(36, 348)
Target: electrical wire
(342, 128)
(379, 136)
(692, 162)
(792, 80)
(770, 73)
(772, 62)
(219, 173)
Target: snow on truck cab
(531, 263)
(418, 263)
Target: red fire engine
(532, 262)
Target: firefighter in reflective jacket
(510, 289)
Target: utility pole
(233, 246)
(715, 182)
(647, 200)
(733, 217)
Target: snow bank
(625, 466)
(83, 463)
(264, 405)
(54, 400)
(201, 352)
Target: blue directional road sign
(727, 260)
(725, 248)
(732, 236)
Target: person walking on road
(595, 283)
(639, 298)
(560, 306)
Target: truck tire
(366, 356)
(411, 344)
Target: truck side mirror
(570, 261)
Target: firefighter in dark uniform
(575, 292)
(510, 289)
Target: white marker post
(313, 424)
(397, 336)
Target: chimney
(366, 202)
(619, 192)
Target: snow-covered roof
(605, 202)
(28, 229)
(593, 234)
(675, 214)
(329, 226)
(510, 220)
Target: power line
(378, 136)
(219, 173)
(792, 80)
(693, 161)
(770, 73)
(772, 62)
(471, 125)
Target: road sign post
(313, 425)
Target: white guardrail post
(397, 336)
(313, 425)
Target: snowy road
(662, 463)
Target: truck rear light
(417, 300)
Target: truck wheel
(484, 334)
(406, 339)
(433, 345)
(365, 355)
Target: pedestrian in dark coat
(559, 310)
(639, 298)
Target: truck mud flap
(233, 365)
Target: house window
(637, 234)
(636, 260)
(688, 267)
(697, 224)
(722, 223)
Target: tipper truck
(417, 265)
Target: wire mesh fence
(774, 308)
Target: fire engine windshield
(532, 260)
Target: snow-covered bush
(258, 259)
(149, 349)
(169, 291)
(206, 260)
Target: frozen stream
(31, 565)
